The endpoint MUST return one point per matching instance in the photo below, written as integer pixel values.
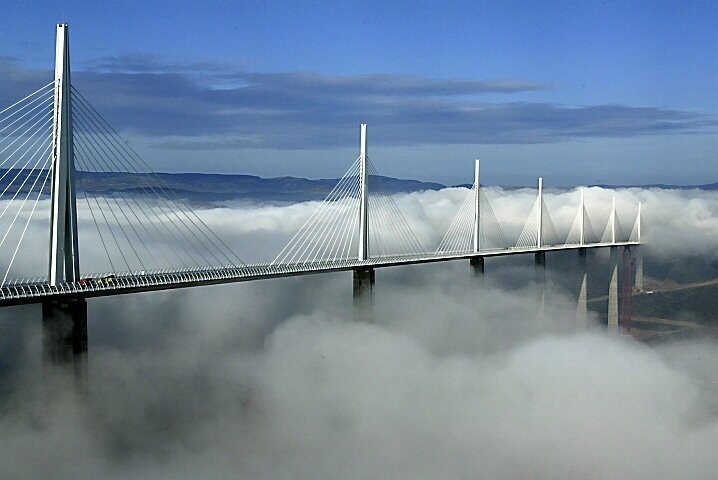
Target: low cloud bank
(456, 378)
(675, 222)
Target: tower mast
(64, 258)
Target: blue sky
(579, 92)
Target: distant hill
(216, 187)
(205, 187)
(708, 186)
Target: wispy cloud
(208, 105)
(17, 81)
(138, 62)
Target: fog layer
(457, 377)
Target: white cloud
(455, 379)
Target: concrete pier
(638, 281)
(64, 335)
(540, 263)
(612, 325)
(582, 305)
(540, 275)
(477, 266)
(626, 281)
(363, 292)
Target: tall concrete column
(477, 208)
(64, 323)
(363, 196)
(477, 266)
(612, 325)
(477, 263)
(539, 215)
(540, 263)
(626, 280)
(582, 222)
(639, 270)
(540, 273)
(363, 278)
(638, 254)
(582, 305)
(613, 221)
(64, 255)
(362, 289)
(64, 335)
(540, 266)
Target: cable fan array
(25, 168)
(529, 234)
(146, 226)
(574, 233)
(460, 235)
(589, 234)
(613, 229)
(331, 233)
(141, 225)
(389, 231)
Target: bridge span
(39, 291)
(53, 135)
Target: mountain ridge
(209, 187)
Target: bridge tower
(363, 277)
(477, 263)
(540, 257)
(363, 196)
(64, 321)
(612, 324)
(626, 291)
(612, 319)
(639, 254)
(582, 306)
(613, 221)
(64, 257)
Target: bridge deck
(40, 291)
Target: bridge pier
(477, 266)
(540, 275)
(626, 290)
(362, 289)
(638, 281)
(64, 335)
(582, 306)
(612, 324)
(540, 264)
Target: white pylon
(613, 297)
(64, 255)
(582, 305)
(582, 222)
(638, 281)
(613, 221)
(363, 197)
(539, 220)
(477, 208)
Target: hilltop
(211, 187)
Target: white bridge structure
(153, 240)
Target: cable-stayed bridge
(151, 239)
